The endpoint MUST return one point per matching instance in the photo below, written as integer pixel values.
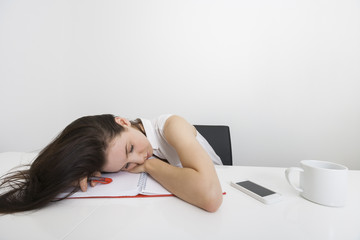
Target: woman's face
(127, 150)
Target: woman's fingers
(84, 181)
(83, 184)
(95, 174)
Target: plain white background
(283, 74)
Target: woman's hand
(139, 168)
(84, 182)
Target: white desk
(240, 216)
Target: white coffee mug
(321, 182)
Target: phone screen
(253, 187)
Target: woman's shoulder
(178, 127)
(169, 123)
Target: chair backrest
(218, 137)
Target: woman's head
(77, 152)
(127, 150)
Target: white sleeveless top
(154, 130)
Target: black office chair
(219, 138)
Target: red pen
(102, 180)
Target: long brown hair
(77, 152)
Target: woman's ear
(122, 121)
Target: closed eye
(126, 166)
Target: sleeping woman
(168, 148)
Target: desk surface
(240, 216)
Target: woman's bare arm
(197, 182)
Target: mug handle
(289, 172)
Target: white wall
(284, 74)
